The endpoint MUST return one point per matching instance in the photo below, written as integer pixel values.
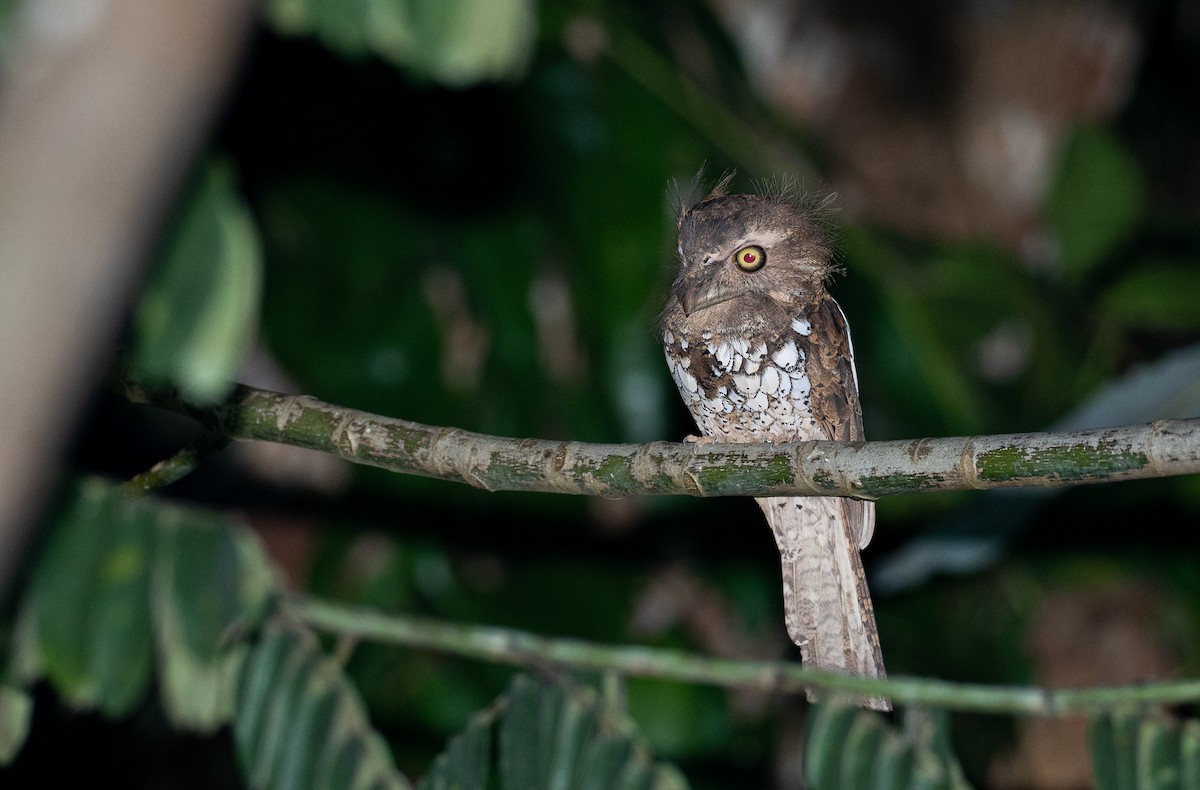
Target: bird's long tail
(827, 606)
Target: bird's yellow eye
(750, 259)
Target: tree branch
(181, 464)
(867, 469)
(524, 649)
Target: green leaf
(1155, 295)
(859, 755)
(929, 730)
(602, 760)
(1158, 754)
(1104, 758)
(311, 725)
(1189, 754)
(65, 580)
(118, 576)
(465, 763)
(1113, 740)
(1152, 751)
(299, 722)
(894, 763)
(827, 731)
(201, 301)
(341, 767)
(1124, 747)
(120, 644)
(90, 603)
(455, 42)
(850, 747)
(16, 710)
(928, 773)
(289, 679)
(197, 606)
(1097, 199)
(255, 688)
(550, 736)
(518, 734)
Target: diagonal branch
(865, 469)
(181, 464)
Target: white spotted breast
(738, 391)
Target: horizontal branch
(524, 649)
(865, 469)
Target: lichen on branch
(861, 469)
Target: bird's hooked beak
(707, 294)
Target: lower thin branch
(520, 648)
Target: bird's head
(747, 260)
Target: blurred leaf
(1158, 754)
(90, 603)
(1189, 754)
(1155, 295)
(108, 563)
(893, 763)
(16, 710)
(554, 736)
(846, 746)
(118, 578)
(466, 763)
(65, 581)
(208, 581)
(861, 752)
(120, 655)
(456, 42)
(826, 736)
(1105, 770)
(1097, 199)
(201, 300)
(1143, 751)
(299, 723)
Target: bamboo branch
(524, 649)
(866, 469)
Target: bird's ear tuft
(685, 198)
(721, 188)
(784, 189)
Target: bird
(761, 352)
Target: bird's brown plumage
(765, 355)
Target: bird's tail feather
(827, 606)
